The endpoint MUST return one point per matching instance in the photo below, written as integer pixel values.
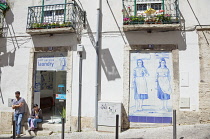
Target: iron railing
(1, 20)
(150, 12)
(54, 16)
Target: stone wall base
(87, 123)
(6, 122)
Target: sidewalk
(201, 131)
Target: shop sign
(52, 64)
(60, 96)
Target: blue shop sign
(60, 96)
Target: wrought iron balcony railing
(53, 16)
(1, 20)
(150, 12)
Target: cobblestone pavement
(201, 131)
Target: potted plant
(159, 18)
(44, 25)
(167, 19)
(53, 25)
(137, 19)
(35, 25)
(141, 20)
(67, 24)
(134, 20)
(150, 20)
(63, 114)
(126, 21)
(62, 25)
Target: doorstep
(38, 133)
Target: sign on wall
(107, 112)
(51, 64)
(151, 77)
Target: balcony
(151, 15)
(53, 19)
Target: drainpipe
(80, 92)
(98, 41)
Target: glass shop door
(50, 87)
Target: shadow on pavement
(22, 137)
(134, 138)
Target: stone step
(52, 127)
(46, 126)
(38, 133)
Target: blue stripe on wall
(148, 119)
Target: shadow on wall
(159, 37)
(143, 38)
(25, 118)
(7, 57)
(108, 65)
(125, 120)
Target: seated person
(35, 117)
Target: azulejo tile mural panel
(151, 76)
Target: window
(54, 15)
(144, 6)
(156, 6)
(48, 13)
(141, 7)
(59, 12)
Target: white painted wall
(16, 77)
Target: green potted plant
(44, 25)
(141, 20)
(62, 25)
(53, 25)
(67, 24)
(159, 18)
(35, 25)
(167, 19)
(63, 113)
(134, 20)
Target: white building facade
(150, 65)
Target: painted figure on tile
(140, 84)
(163, 83)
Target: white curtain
(50, 2)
